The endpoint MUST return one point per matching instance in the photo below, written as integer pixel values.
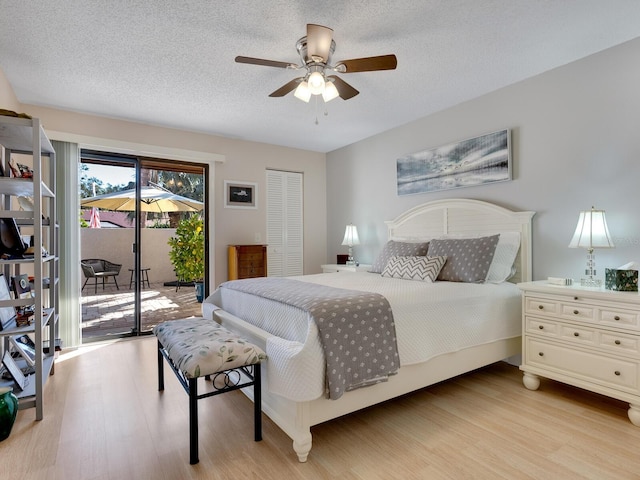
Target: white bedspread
(431, 319)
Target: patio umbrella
(94, 219)
(152, 199)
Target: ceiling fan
(315, 50)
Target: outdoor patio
(110, 312)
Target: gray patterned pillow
(425, 269)
(399, 249)
(468, 259)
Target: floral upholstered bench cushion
(199, 347)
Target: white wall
(246, 161)
(576, 143)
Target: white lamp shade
(592, 231)
(351, 236)
(330, 92)
(302, 92)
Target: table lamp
(591, 232)
(351, 239)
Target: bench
(198, 347)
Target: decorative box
(621, 280)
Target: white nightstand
(582, 336)
(332, 268)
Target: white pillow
(501, 268)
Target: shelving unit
(20, 138)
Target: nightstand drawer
(539, 326)
(559, 308)
(591, 367)
(541, 306)
(578, 312)
(620, 343)
(579, 335)
(619, 318)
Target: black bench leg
(160, 368)
(257, 402)
(193, 421)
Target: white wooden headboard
(462, 216)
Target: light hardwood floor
(105, 419)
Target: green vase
(8, 411)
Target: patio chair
(98, 268)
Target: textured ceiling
(171, 63)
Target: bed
(294, 390)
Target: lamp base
(351, 262)
(590, 282)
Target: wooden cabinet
(247, 261)
(586, 337)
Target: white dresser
(582, 336)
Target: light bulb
(302, 92)
(316, 83)
(330, 92)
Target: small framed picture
(21, 286)
(14, 370)
(240, 194)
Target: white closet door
(284, 224)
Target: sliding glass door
(175, 232)
(132, 211)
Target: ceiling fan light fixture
(330, 92)
(316, 83)
(302, 92)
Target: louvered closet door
(284, 224)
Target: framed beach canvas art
(475, 161)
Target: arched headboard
(463, 216)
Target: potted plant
(187, 252)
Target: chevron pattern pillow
(425, 269)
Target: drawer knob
(617, 373)
(541, 327)
(617, 342)
(541, 354)
(540, 307)
(576, 312)
(616, 317)
(576, 334)
(575, 298)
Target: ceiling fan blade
(266, 63)
(319, 42)
(345, 90)
(368, 64)
(286, 88)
